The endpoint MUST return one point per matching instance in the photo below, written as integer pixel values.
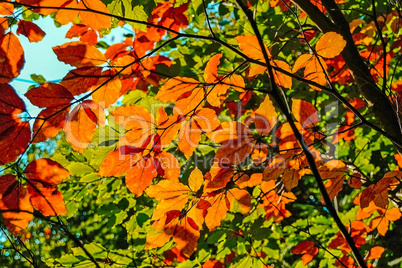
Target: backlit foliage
(211, 134)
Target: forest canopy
(257, 133)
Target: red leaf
(170, 215)
(192, 223)
(82, 79)
(127, 149)
(10, 102)
(30, 30)
(49, 95)
(48, 123)
(79, 54)
(14, 141)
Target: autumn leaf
(378, 192)
(108, 90)
(14, 141)
(171, 217)
(249, 45)
(81, 124)
(84, 33)
(79, 54)
(50, 95)
(382, 222)
(140, 175)
(330, 45)
(184, 92)
(265, 117)
(48, 123)
(93, 20)
(81, 80)
(15, 198)
(202, 121)
(43, 176)
(12, 54)
(375, 252)
(273, 203)
(308, 249)
(237, 143)
(32, 31)
(336, 172)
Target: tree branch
(275, 93)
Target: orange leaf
(291, 178)
(49, 95)
(302, 62)
(12, 55)
(109, 91)
(305, 113)
(382, 222)
(176, 88)
(189, 138)
(249, 45)
(46, 171)
(185, 237)
(213, 264)
(268, 116)
(169, 164)
(48, 123)
(140, 175)
(138, 123)
(47, 199)
(240, 200)
(79, 54)
(81, 124)
(93, 20)
(6, 9)
(330, 45)
(167, 189)
(204, 120)
(14, 197)
(214, 92)
(216, 212)
(217, 178)
(375, 252)
(280, 78)
(308, 249)
(211, 70)
(116, 164)
(233, 152)
(236, 81)
(334, 186)
(256, 69)
(185, 92)
(30, 30)
(315, 68)
(82, 79)
(156, 237)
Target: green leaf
(90, 178)
(244, 263)
(127, 9)
(79, 169)
(38, 78)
